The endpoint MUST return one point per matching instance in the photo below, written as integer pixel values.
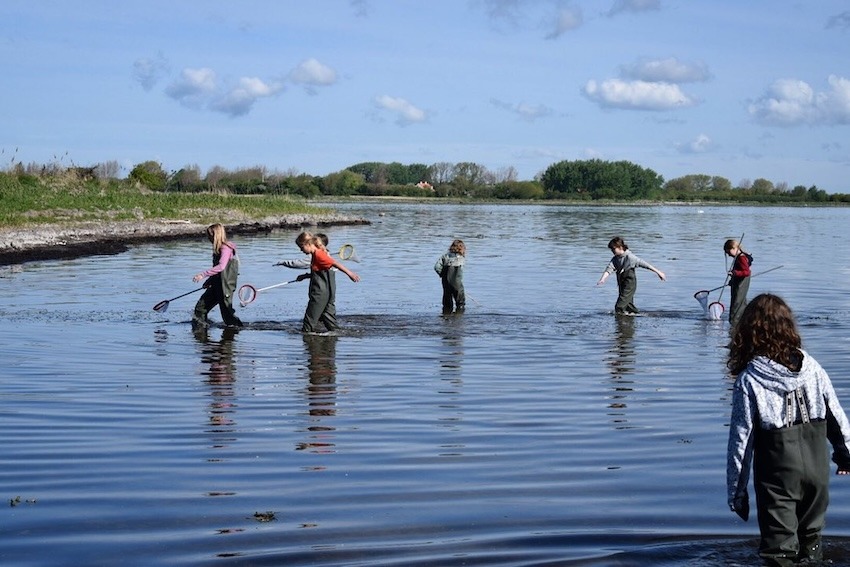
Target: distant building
(425, 185)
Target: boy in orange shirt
(320, 304)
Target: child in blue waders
(784, 409)
(450, 269)
(624, 263)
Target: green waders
(627, 284)
(453, 292)
(220, 288)
(739, 288)
(320, 304)
(791, 479)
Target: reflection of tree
(320, 392)
(621, 363)
(220, 377)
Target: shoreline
(93, 238)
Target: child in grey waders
(221, 281)
(784, 409)
(624, 264)
(450, 269)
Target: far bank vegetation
(149, 190)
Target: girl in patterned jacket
(784, 409)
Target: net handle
(248, 293)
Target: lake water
(534, 429)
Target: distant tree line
(579, 180)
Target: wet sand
(53, 242)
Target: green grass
(27, 200)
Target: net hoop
(347, 253)
(715, 311)
(247, 294)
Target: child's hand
(354, 277)
(661, 276)
(198, 277)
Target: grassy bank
(34, 200)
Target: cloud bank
(792, 102)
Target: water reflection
(320, 393)
(621, 365)
(220, 376)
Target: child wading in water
(739, 278)
(221, 280)
(784, 409)
(321, 296)
(624, 264)
(450, 269)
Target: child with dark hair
(784, 409)
(739, 278)
(624, 263)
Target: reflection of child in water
(624, 263)
(784, 409)
(450, 269)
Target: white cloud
(240, 100)
(637, 95)
(192, 86)
(311, 73)
(405, 112)
(525, 111)
(621, 6)
(568, 19)
(792, 102)
(669, 70)
(699, 145)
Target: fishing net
(347, 252)
(247, 294)
(714, 310)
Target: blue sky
(743, 90)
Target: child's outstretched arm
(351, 275)
(299, 264)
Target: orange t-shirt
(321, 260)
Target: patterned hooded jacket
(760, 399)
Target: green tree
(150, 174)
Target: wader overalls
(627, 285)
(453, 294)
(791, 480)
(320, 304)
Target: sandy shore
(51, 242)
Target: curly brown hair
(766, 328)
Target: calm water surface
(535, 429)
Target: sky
(741, 90)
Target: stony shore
(53, 242)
